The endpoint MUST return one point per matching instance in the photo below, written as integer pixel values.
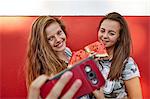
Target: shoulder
(129, 63)
(130, 69)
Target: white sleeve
(131, 70)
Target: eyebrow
(48, 36)
(109, 30)
(112, 31)
(102, 28)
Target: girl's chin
(60, 49)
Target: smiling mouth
(60, 44)
(105, 41)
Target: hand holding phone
(85, 70)
(35, 86)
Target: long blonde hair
(41, 57)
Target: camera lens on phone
(91, 75)
(87, 68)
(94, 81)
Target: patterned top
(116, 89)
(113, 89)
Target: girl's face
(109, 32)
(56, 37)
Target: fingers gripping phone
(86, 70)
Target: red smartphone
(86, 70)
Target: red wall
(14, 33)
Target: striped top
(68, 53)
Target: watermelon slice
(97, 48)
(78, 56)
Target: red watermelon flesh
(98, 48)
(78, 56)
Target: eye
(102, 30)
(111, 33)
(59, 32)
(51, 38)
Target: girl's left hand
(99, 94)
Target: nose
(105, 35)
(57, 38)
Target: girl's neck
(110, 52)
(62, 56)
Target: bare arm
(133, 88)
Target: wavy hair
(41, 58)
